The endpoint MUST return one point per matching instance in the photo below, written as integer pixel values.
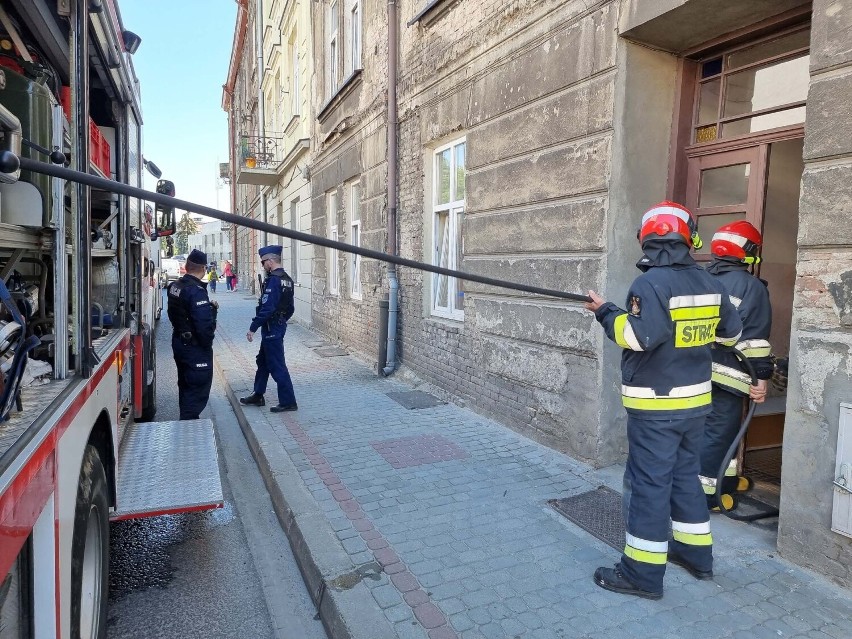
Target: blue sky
(182, 64)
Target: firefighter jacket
(275, 306)
(751, 298)
(192, 315)
(675, 311)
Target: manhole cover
(330, 351)
(597, 512)
(316, 343)
(415, 399)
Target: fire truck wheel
(90, 551)
(149, 402)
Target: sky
(182, 64)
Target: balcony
(259, 158)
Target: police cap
(197, 257)
(269, 251)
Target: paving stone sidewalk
(433, 522)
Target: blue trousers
(195, 377)
(720, 429)
(270, 361)
(663, 497)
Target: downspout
(393, 283)
(261, 111)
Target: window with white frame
(355, 239)
(352, 28)
(295, 79)
(331, 255)
(448, 195)
(294, 244)
(332, 49)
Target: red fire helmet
(739, 240)
(669, 219)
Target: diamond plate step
(166, 468)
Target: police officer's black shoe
(612, 579)
(253, 400)
(281, 408)
(675, 558)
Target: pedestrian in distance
(275, 307)
(675, 311)
(735, 249)
(228, 274)
(193, 318)
(212, 277)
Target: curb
(345, 605)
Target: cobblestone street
(434, 522)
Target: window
(333, 274)
(332, 50)
(448, 171)
(355, 240)
(294, 244)
(353, 37)
(756, 87)
(295, 93)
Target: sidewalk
(433, 522)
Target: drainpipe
(261, 111)
(393, 283)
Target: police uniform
(731, 384)
(193, 320)
(675, 311)
(275, 307)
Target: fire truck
(79, 300)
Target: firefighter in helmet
(674, 312)
(734, 248)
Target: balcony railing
(259, 158)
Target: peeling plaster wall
(821, 348)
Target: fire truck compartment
(167, 468)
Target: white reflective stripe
(736, 301)
(630, 338)
(694, 529)
(753, 343)
(729, 341)
(733, 373)
(707, 481)
(685, 301)
(646, 544)
(666, 210)
(643, 392)
(739, 240)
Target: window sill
(340, 94)
(450, 324)
(433, 10)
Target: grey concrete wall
(821, 345)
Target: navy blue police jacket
(675, 311)
(192, 315)
(275, 306)
(750, 296)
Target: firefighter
(193, 319)
(675, 310)
(734, 248)
(274, 308)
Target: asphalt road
(226, 573)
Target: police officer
(193, 319)
(275, 307)
(734, 248)
(675, 310)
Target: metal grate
(598, 512)
(330, 351)
(415, 399)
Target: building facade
(532, 136)
(214, 241)
(268, 108)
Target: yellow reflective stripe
(697, 332)
(729, 341)
(731, 470)
(756, 352)
(645, 556)
(666, 403)
(730, 382)
(692, 539)
(694, 312)
(618, 330)
(708, 489)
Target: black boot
(253, 400)
(281, 408)
(675, 558)
(612, 579)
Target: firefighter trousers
(720, 429)
(663, 498)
